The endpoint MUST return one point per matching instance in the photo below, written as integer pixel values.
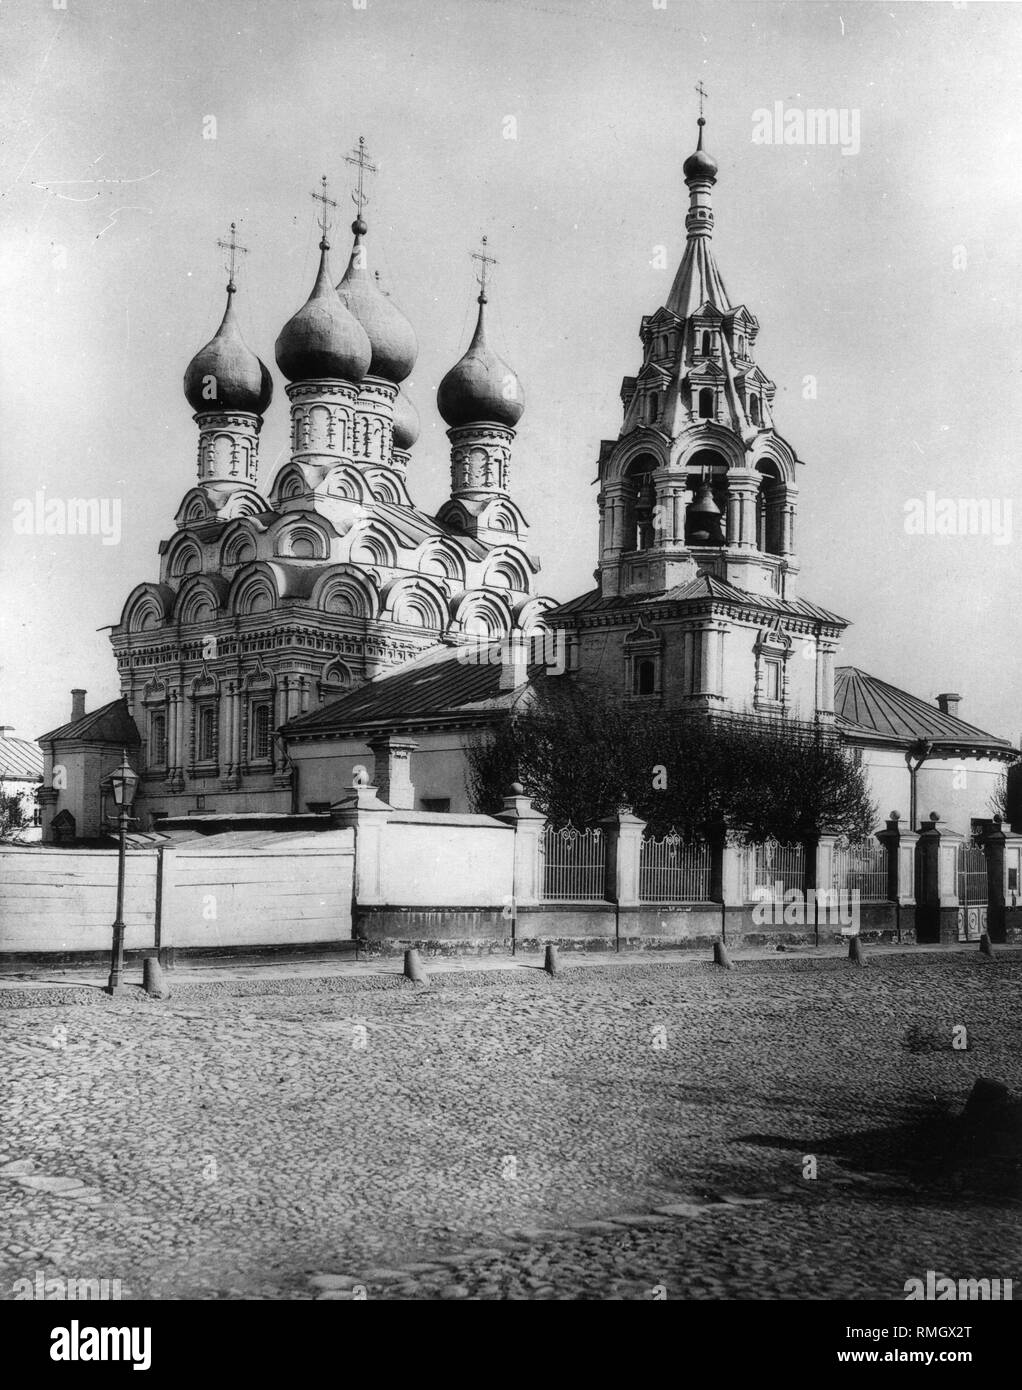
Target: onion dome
(391, 336)
(323, 339)
(700, 165)
(226, 374)
(406, 423)
(481, 388)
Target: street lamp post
(123, 783)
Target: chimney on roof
(6, 730)
(948, 703)
(514, 661)
(77, 704)
(393, 776)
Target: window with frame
(772, 675)
(206, 750)
(157, 740)
(706, 403)
(261, 730)
(772, 680)
(644, 676)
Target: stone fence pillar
(820, 879)
(927, 881)
(950, 842)
(936, 882)
(822, 856)
(528, 824)
(715, 834)
(367, 815)
(890, 838)
(733, 871)
(623, 838)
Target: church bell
(702, 519)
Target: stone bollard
(413, 968)
(986, 946)
(153, 980)
(720, 955)
(550, 963)
(855, 951)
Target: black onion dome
(700, 165)
(323, 339)
(226, 374)
(481, 387)
(406, 423)
(391, 336)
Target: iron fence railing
(573, 864)
(771, 864)
(674, 870)
(861, 866)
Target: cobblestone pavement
(637, 1132)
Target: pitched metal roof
(415, 525)
(703, 586)
(21, 760)
(440, 685)
(110, 723)
(866, 705)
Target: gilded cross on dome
(702, 94)
(360, 158)
(233, 246)
(324, 219)
(485, 261)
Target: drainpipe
(915, 756)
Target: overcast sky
(890, 275)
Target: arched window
(261, 730)
(639, 504)
(770, 510)
(644, 680)
(651, 408)
(207, 734)
(706, 345)
(754, 409)
(157, 740)
(706, 403)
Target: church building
(327, 629)
(271, 602)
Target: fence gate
(972, 892)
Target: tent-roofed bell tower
(696, 606)
(698, 478)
